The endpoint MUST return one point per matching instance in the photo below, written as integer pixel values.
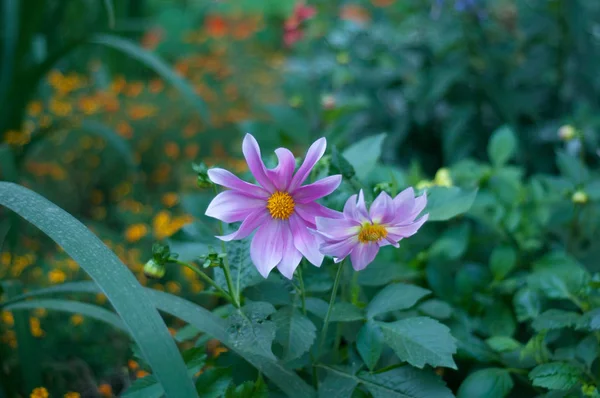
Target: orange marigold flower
(165, 226)
(133, 365)
(34, 108)
(39, 392)
(76, 319)
(56, 276)
(7, 318)
(170, 199)
(141, 373)
(72, 394)
(60, 108)
(215, 26)
(172, 150)
(105, 390)
(136, 232)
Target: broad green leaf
(213, 383)
(339, 164)
(503, 343)
(116, 281)
(555, 319)
(420, 341)
(527, 304)
(498, 320)
(295, 332)
(156, 64)
(146, 387)
(187, 332)
(536, 348)
(453, 242)
(436, 309)
(488, 383)
(555, 375)
(346, 312)
(364, 154)
(369, 344)
(251, 331)
(248, 389)
(502, 146)
(590, 320)
(381, 273)
(243, 271)
(336, 385)
(588, 350)
(396, 297)
(572, 168)
(445, 203)
(502, 261)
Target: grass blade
(118, 284)
(110, 13)
(155, 63)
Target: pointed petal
(339, 249)
(356, 209)
(281, 176)
(251, 152)
(304, 241)
(404, 202)
(418, 207)
(363, 254)
(229, 180)
(250, 223)
(315, 152)
(266, 248)
(308, 212)
(337, 228)
(233, 206)
(291, 256)
(398, 232)
(387, 242)
(383, 209)
(310, 193)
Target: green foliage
(295, 332)
(555, 376)
(491, 382)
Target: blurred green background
(105, 105)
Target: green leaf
(555, 319)
(445, 203)
(572, 168)
(502, 146)
(502, 261)
(436, 309)
(503, 344)
(116, 281)
(421, 341)
(381, 273)
(453, 242)
(243, 271)
(498, 320)
(555, 376)
(590, 320)
(588, 350)
(250, 330)
(369, 344)
(527, 304)
(336, 385)
(248, 389)
(110, 13)
(295, 332)
(396, 297)
(488, 383)
(340, 165)
(146, 387)
(213, 383)
(346, 312)
(364, 154)
(156, 64)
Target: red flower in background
(292, 28)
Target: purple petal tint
(282, 236)
(360, 233)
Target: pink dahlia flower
(360, 233)
(280, 208)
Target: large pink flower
(280, 208)
(360, 233)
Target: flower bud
(154, 270)
(442, 178)
(212, 259)
(567, 132)
(579, 197)
(202, 180)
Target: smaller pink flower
(360, 233)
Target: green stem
(206, 279)
(336, 284)
(302, 292)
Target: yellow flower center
(281, 205)
(371, 233)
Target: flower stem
(205, 278)
(232, 292)
(336, 284)
(302, 291)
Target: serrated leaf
(213, 383)
(369, 344)
(243, 272)
(555, 376)
(436, 309)
(420, 341)
(555, 319)
(488, 383)
(527, 304)
(250, 330)
(502, 146)
(248, 389)
(346, 312)
(445, 203)
(364, 154)
(339, 164)
(295, 332)
(588, 350)
(503, 343)
(498, 320)
(502, 261)
(396, 297)
(336, 385)
(590, 320)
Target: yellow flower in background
(35, 327)
(105, 390)
(135, 232)
(7, 318)
(56, 276)
(9, 338)
(35, 108)
(442, 178)
(60, 107)
(40, 312)
(72, 395)
(100, 298)
(170, 199)
(77, 319)
(173, 287)
(39, 392)
(164, 225)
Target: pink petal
(317, 190)
(308, 212)
(291, 256)
(251, 152)
(266, 249)
(418, 207)
(339, 249)
(382, 210)
(281, 176)
(398, 232)
(404, 202)
(229, 180)
(337, 228)
(304, 241)
(356, 210)
(250, 223)
(387, 242)
(315, 152)
(363, 254)
(233, 206)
